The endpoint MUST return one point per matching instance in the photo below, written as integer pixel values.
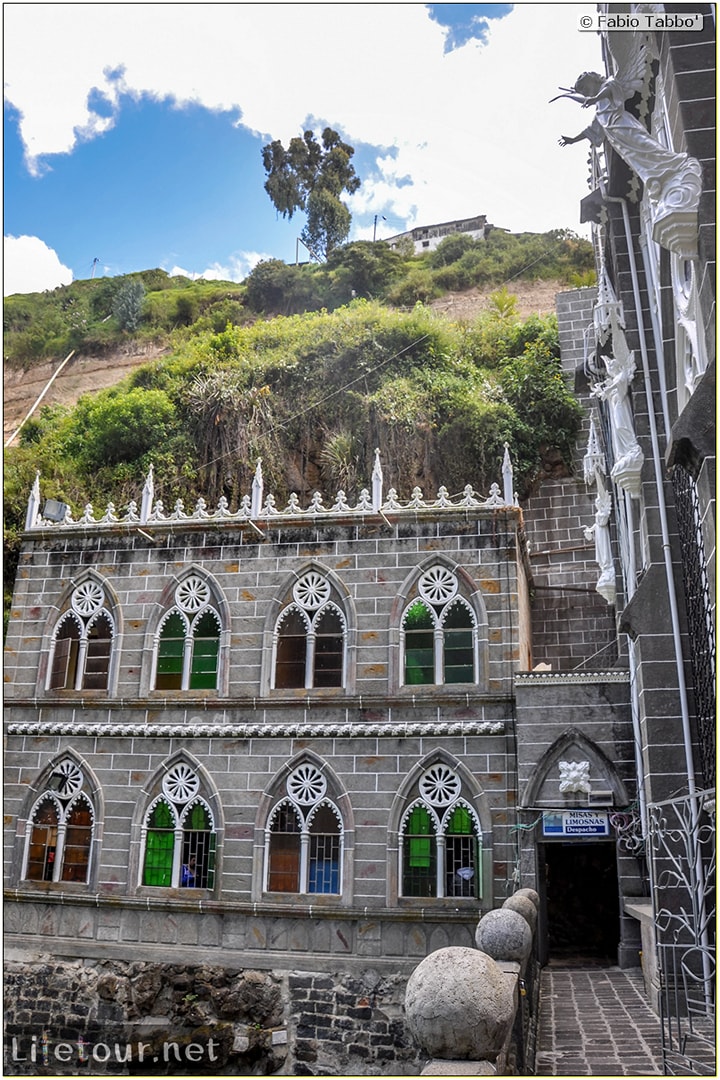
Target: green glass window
(418, 625)
(206, 645)
(170, 654)
(159, 846)
(419, 855)
(458, 645)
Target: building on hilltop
(427, 237)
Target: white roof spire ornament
(148, 495)
(257, 491)
(673, 181)
(33, 507)
(377, 482)
(507, 472)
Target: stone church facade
(306, 746)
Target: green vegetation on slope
(97, 315)
(312, 395)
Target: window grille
(304, 837)
(701, 629)
(180, 839)
(440, 846)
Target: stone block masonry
(106, 1018)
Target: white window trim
(189, 626)
(311, 637)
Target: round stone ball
(504, 935)
(459, 1005)
(524, 907)
(531, 895)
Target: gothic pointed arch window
(310, 638)
(178, 835)
(304, 837)
(439, 633)
(187, 649)
(61, 828)
(82, 644)
(440, 849)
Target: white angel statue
(673, 181)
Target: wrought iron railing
(682, 853)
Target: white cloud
(31, 266)
(237, 268)
(471, 127)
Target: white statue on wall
(673, 181)
(614, 390)
(599, 531)
(575, 777)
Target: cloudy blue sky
(133, 132)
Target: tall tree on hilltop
(312, 177)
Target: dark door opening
(582, 909)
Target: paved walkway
(596, 1022)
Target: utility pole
(94, 264)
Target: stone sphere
(459, 1005)
(504, 935)
(524, 907)
(531, 895)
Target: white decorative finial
(257, 491)
(507, 471)
(33, 507)
(147, 497)
(377, 482)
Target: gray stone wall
(572, 625)
(109, 1017)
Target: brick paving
(596, 1022)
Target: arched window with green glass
(158, 864)
(188, 651)
(179, 835)
(439, 633)
(419, 850)
(440, 842)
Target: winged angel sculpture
(672, 180)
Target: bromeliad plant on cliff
(312, 395)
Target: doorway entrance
(580, 900)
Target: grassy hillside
(97, 315)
